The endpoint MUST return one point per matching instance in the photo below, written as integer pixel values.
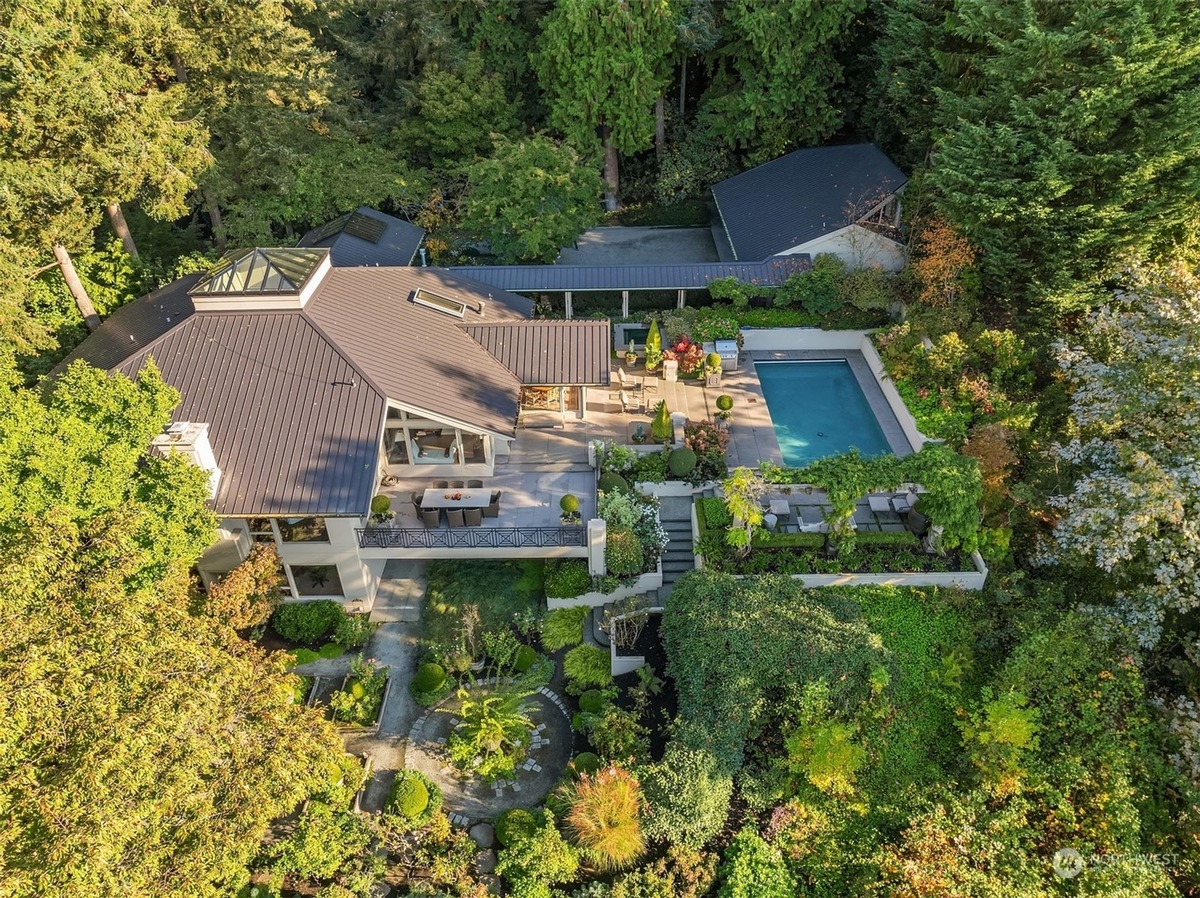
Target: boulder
(483, 834)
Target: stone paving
(468, 799)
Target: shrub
(307, 622)
(563, 627)
(687, 797)
(623, 554)
(492, 736)
(592, 701)
(604, 817)
(429, 678)
(613, 482)
(331, 650)
(569, 503)
(754, 869)
(619, 734)
(651, 468)
(415, 797)
(585, 762)
(515, 824)
(716, 513)
(524, 659)
(661, 427)
(653, 346)
(724, 402)
(353, 631)
(534, 862)
(588, 666)
(381, 505)
(359, 702)
(681, 461)
(567, 578)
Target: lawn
(502, 590)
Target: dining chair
(441, 484)
(473, 516)
(493, 508)
(430, 517)
(454, 517)
(457, 485)
(474, 484)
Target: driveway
(641, 246)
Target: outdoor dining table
(443, 498)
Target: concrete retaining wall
(623, 664)
(645, 583)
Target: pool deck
(888, 423)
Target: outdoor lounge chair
(430, 517)
(493, 508)
(630, 404)
(454, 517)
(473, 516)
(628, 382)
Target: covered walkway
(569, 279)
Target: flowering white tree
(1134, 511)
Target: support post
(567, 302)
(624, 303)
(681, 299)
(597, 536)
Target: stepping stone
(454, 721)
(516, 787)
(537, 768)
(441, 740)
(485, 861)
(483, 835)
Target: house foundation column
(597, 537)
(624, 303)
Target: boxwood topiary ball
(524, 659)
(610, 481)
(585, 762)
(681, 461)
(569, 503)
(724, 402)
(591, 701)
(429, 678)
(410, 798)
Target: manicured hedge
(429, 678)
(567, 578)
(307, 622)
(514, 823)
(415, 798)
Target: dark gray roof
(349, 239)
(801, 196)
(585, 278)
(550, 352)
(417, 355)
(293, 424)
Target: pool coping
(885, 415)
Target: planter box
(672, 488)
(373, 729)
(946, 579)
(645, 583)
(623, 664)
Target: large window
(412, 440)
(316, 580)
(303, 530)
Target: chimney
(190, 440)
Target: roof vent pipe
(423, 262)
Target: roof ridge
(320, 331)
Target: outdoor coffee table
(436, 498)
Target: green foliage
(247, 595)
(713, 513)
(569, 504)
(326, 841)
(429, 677)
(358, 703)
(354, 631)
(823, 750)
(415, 798)
(682, 873)
(618, 734)
(592, 701)
(681, 462)
(611, 482)
(585, 762)
(997, 733)
(604, 817)
(730, 288)
(514, 825)
(563, 628)
(307, 623)
(623, 553)
(653, 346)
(492, 735)
(529, 199)
(587, 667)
(661, 427)
(524, 659)
(724, 402)
(819, 291)
(534, 862)
(775, 73)
(381, 505)
(687, 797)
(501, 591)
(753, 869)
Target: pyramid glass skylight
(259, 271)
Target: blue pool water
(818, 409)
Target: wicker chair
(473, 516)
(441, 484)
(454, 517)
(493, 508)
(430, 517)
(458, 484)
(474, 484)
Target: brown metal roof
(293, 424)
(550, 352)
(418, 355)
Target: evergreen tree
(1075, 142)
(774, 75)
(605, 64)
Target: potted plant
(639, 435)
(630, 355)
(724, 408)
(570, 509)
(381, 510)
(915, 521)
(712, 370)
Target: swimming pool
(819, 409)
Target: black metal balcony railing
(470, 537)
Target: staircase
(679, 557)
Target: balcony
(472, 537)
